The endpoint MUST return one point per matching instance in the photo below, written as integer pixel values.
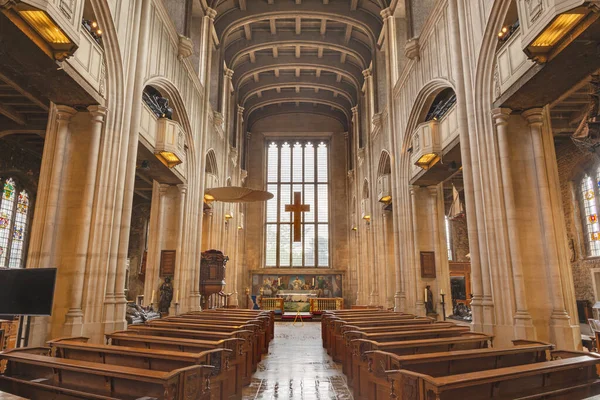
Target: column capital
(367, 73)
(501, 115)
(211, 13)
(64, 113)
(98, 112)
(182, 187)
(162, 188)
(240, 109)
(248, 135)
(354, 110)
(228, 73)
(534, 116)
(386, 13)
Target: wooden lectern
(212, 274)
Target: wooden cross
(297, 208)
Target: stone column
(50, 214)
(370, 106)
(179, 276)
(155, 244)
(74, 317)
(439, 247)
(227, 75)
(389, 25)
(559, 319)
(374, 294)
(420, 303)
(389, 263)
(524, 328)
(205, 44)
(240, 129)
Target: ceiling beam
(323, 29)
(13, 114)
(248, 31)
(298, 25)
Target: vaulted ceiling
(298, 55)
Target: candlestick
(152, 299)
(313, 282)
(442, 292)
(177, 297)
(278, 281)
(425, 295)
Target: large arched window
(14, 208)
(589, 190)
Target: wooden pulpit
(212, 274)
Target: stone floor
(297, 367)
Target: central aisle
(298, 367)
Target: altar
(296, 300)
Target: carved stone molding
(412, 49)
(185, 48)
(218, 123)
(67, 7)
(243, 175)
(377, 124)
(534, 9)
(497, 90)
(233, 155)
(360, 154)
(351, 176)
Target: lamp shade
(238, 194)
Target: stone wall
(571, 163)
(140, 217)
(460, 239)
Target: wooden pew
(327, 315)
(43, 377)
(381, 381)
(217, 317)
(342, 341)
(337, 345)
(258, 339)
(356, 365)
(382, 316)
(572, 376)
(247, 347)
(237, 359)
(156, 360)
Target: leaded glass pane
(297, 163)
(273, 163)
(286, 198)
(16, 250)
(323, 244)
(286, 158)
(272, 204)
(296, 254)
(284, 246)
(309, 198)
(322, 162)
(309, 245)
(7, 206)
(271, 239)
(591, 216)
(309, 162)
(323, 203)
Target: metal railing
(319, 304)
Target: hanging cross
(297, 208)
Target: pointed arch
(385, 165)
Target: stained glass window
(14, 209)
(590, 217)
(297, 166)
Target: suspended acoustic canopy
(237, 194)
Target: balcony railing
(511, 63)
(320, 304)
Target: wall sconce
(241, 221)
(228, 216)
(209, 198)
(354, 228)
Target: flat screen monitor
(28, 291)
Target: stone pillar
(205, 44)
(389, 26)
(524, 328)
(559, 320)
(389, 265)
(179, 276)
(155, 244)
(370, 106)
(374, 290)
(74, 317)
(227, 75)
(239, 130)
(439, 246)
(50, 214)
(420, 303)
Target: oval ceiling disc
(238, 194)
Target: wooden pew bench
(380, 380)
(574, 376)
(44, 377)
(357, 364)
(156, 360)
(237, 358)
(218, 319)
(327, 316)
(267, 319)
(258, 340)
(338, 346)
(343, 342)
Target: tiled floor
(297, 367)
